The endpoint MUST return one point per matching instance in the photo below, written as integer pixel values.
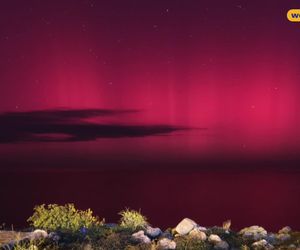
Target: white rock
(185, 226)
(141, 237)
(38, 234)
(213, 238)
(285, 230)
(165, 244)
(197, 234)
(153, 232)
(222, 245)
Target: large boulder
(153, 232)
(166, 244)
(185, 226)
(140, 237)
(254, 233)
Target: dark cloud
(68, 125)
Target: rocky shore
(186, 235)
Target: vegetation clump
(132, 219)
(191, 243)
(54, 217)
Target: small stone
(213, 238)
(285, 230)
(185, 226)
(262, 244)
(222, 245)
(254, 232)
(203, 229)
(283, 237)
(38, 234)
(166, 244)
(153, 232)
(197, 234)
(140, 237)
(271, 238)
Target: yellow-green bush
(55, 217)
(132, 219)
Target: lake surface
(270, 199)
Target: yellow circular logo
(293, 15)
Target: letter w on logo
(295, 15)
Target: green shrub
(132, 219)
(55, 217)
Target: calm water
(207, 175)
(270, 199)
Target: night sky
(142, 85)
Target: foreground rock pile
(222, 238)
(186, 235)
(251, 237)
